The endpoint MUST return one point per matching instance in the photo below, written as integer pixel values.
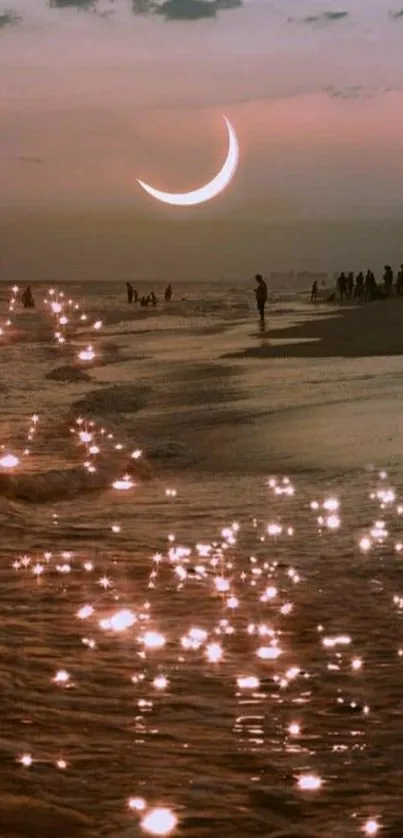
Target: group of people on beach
(349, 286)
(146, 300)
(260, 294)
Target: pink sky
(90, 104)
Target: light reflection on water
(199, 656)
(151, 663)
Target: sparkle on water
(9, 461)
(371, 827)
(137, 803)
(159, 821)
(309, 782)
(240, 634)
(87, 354)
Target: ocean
(201, 576)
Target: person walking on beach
(130, 292)
(261, 296)
(168, 293)
(314, 292)
(350, 285)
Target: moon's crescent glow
(211, 189)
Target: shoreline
(368, 330)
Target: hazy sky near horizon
(95, 93)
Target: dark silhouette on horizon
(27, 298)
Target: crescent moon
(209, 190)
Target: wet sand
(352, 332)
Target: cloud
(228, 4)
(335, 15)
(80, 5)
(355, 91)
(184, 9)
(24, 158)
(324, 17)
(9, 18)
(84, 6)
(140, 7)
(396, 15)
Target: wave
(28, 816)
(64, 484)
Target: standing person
(261, 296)
(388, 280)
(342, 286)
(359, 285)
(399, 282)
(168, 293)
(370, 286)
(27, 298)
(130, 292)
(314, 292)
(350, 285)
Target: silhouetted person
(136, 296)
(370, 286)
(168, 293)
(314, 292)
(153, 298)
(359, 285)
(144, 301)
(388, 280)
(130, 292)
(342, 285)
(350, 285)
(27, 298)
(261, 296)
(399, 282)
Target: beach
(201, 572)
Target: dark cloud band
(9, 18)
(324, 17)
(194, 9)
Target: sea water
(201, 574)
